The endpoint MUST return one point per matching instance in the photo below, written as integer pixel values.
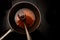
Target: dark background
(49, 10)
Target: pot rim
(28, 3)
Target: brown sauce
(30, 19)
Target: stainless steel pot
(11, 15)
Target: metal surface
(11, 15)
(10, 30)
(20, 5)
(27, 33)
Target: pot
(12, 13)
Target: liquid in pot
(30, 18)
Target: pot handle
(9, 31)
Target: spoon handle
(9, 31)
(27, 33)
